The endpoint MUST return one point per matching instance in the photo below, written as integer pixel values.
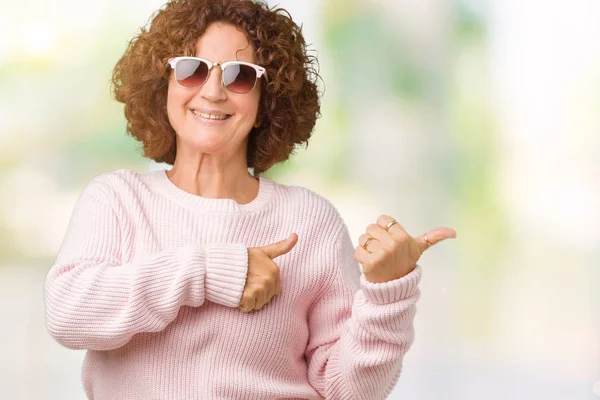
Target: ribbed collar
(163, 184)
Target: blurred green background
(478, 115)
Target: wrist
(226, 272)
(382, 277)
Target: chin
(203, 143)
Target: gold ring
(366, 243)
(392, 222)
(429, 244)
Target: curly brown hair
(289, 104)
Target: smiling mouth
(219, 117)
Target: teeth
(210, 116)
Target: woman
(168, 279)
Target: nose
(213, 89)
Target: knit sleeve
(360, 331)
(95, 301)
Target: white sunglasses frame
(260, 71)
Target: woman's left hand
(387, 252)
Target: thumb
(434, 237)
(279, 248)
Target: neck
(206, 176)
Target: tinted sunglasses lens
(239, 78)
(191, 73)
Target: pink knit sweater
(149, 277)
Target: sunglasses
(237, 76)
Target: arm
(94, 301)
(359, 338)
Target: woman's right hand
(262, 282)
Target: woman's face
(196, 134)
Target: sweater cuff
(226, 271)
(391, 291)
